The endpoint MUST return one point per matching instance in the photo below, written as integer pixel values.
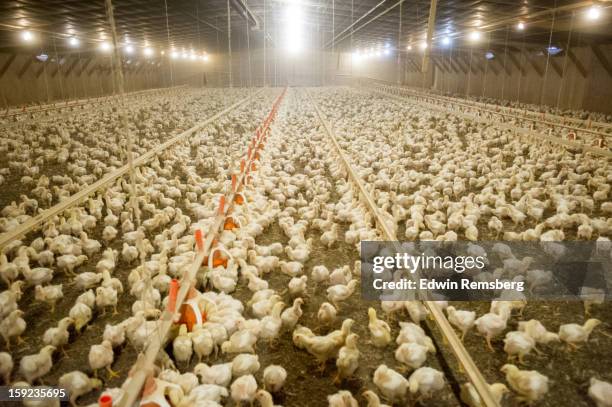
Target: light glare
(475, 35)
(148, 51)
(27, 36)
(294, 35)
(594, 13)
(105, 46)
(129, 49)
(74, 42)
(446, 41)
(520, 26)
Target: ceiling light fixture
(594, 12)
(27, 36)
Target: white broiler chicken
(291, 315)
(182, 346)
(574, 334)
(49, 294)
(243, 389)
(274, 377)
(78, 384)
(6, 367)
(426, 381)
(58, 336)
(600, 392)
(343, 398)
(517, 343)
(340, 292)
(220, 374)
(490, 325)
(537, 331)
(530, 384)
(35, 366)
(348, 358)
(411, 354)
(470, 396)
(102, 356)
(373, 399)
(379, 330)
(463, 320)
(390, 383)
(12, 326)
(326, 314)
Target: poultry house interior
(231, 203)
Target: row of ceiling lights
(592, 13)
(128, 48)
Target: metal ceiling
(202, 25)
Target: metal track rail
(462, 355)
(143, 367)
(533, 135)
(37, 220)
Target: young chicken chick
(600, 392)
(6, 367)
(572, 334)
(265, 399)
(12, 326)
(341, 292)
(416, 310)
(319, 274)
(271, 324)
(102, 356)
(517, 343)
(244, 364)
(537, 331)
(348, 358)
(411, 354)
(463, 320)
(182, 346)
(78, 383)
(411, 332)
(326, 314)
(291, 315)
(49, 294)
(380, 330)
(34, 366)
(490, 325)
(373, 399)
(115, 334)
(297, 286)
(220, 374)
(426, 380)
(243, 389)
(106, 297)
(81, 314)
(203, 342)
(470, 396)
(531, 385)
(343, 398)
(274, 377)
(58, 336)
(391, 384)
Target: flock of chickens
(433, 176)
